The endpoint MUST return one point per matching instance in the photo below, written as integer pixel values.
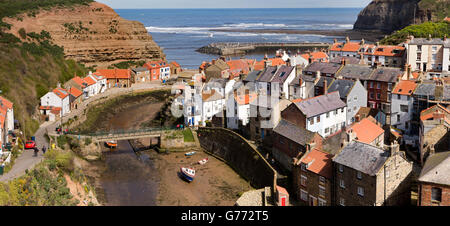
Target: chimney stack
(266, 57)
(445, 37)
(300, 81)
(325, 87)
(317, 76)
(347, 39)
(363, 42)
(343, 61)
(395, 148)
(335, 41)
(429, 36)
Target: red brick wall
(425, 195)
(312, 186)
(288, 147)
(294, 115)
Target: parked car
(30, 144)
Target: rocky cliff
(91, 34)
(391, 15)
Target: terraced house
(428, 54)
(325, 114)
(365, 175)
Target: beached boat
(190, 153)
(188, 173)
(203, 161)
(111, 143)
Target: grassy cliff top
(10, 8)
(436, 30)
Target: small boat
(190, 153)
(111, 143)
(188, 173)
(203, 161)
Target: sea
(182, 31)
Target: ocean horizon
(182, 31)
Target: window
(335, 112)
(436, 194)
(371, 84)
(378, 85)
(341, 183)
(419, 56)
(356, 98)
(321, 179)
(341, 168)
(434, 48)
(434, 56)
(404, 108)
(358, 175)
(303, 195)
(322, 202)
(311, 121)
(327, 130)
(303, 167)
(398, 118)
(303, 180)
(378, 96)
(318, 118)
(371, 95)
(342, 110)
(328, 114)
(419, 48)
(342, 202)
(360, 191)
(389, 86)
(281, 140)
(322, 191)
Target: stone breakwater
(235, 48)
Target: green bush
(436, 30)
(87, 141)
(23, 33)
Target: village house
(325, 114)
(76, 97)
(377, 114)
(367, 131)
(56, 102)
(366, 175)
(352, 93)
(434, 131)
(322, 69)
(434, 181)
(428, 54)
(291, 141)
(217, 69)
(369, 54)
(265, 113)
(175, 68)
(274, 80)
(6, 119)
(116, 77)
(315, 56)
(312, 178)
(141, 74)
(77, 83)
(159, 70)
(238, 109)
(240, 67)
(301, 87)
(192, 104)
(402, 110)
(212, 103)
(260, 65)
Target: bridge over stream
(103, 136)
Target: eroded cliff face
(93, 35)
(391, 15)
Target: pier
(237, 48)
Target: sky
(171, 4)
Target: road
(27, 160)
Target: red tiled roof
(155, 64)
(319, 162)
(405, 87)
(75, 92)
(346, 47)
(427, 114)
(89, 81)
(61, 93)
(174, 63)
(79, 81)
(8, 104)
(114, 73)
(385, 50)
(366, 130)
(275, 61)
(316, 56)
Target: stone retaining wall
(239, 154)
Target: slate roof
(320, 104)
(436, 169)
(252, 76)
(350, 60)
(433, 41)
(282, 74)
(222, 82)
(425, 89)
(293, 132)
(343, 86)
(324, 68)
(267, 74)
(446, 95)
(355, 71)
(362, 157)
(139, 69)
(322, 79)
(386, 74)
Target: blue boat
(188, 173)
(190, 153)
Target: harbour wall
(239, 154)
(234, 48)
